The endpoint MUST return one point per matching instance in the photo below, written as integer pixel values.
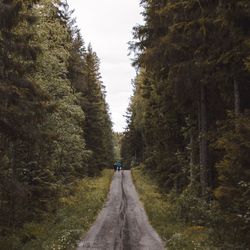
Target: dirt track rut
(122, 223)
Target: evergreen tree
(22, 108)
(86, 81)
(192, 58)
(65, 124)
(47, 83)
(98, 124)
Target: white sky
(107, 25)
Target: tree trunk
(13, 191)
(236, 98)
(203, 142)
(192, 158)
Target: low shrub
(74, 216)
(181, 221)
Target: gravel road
(122, 224)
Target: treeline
(55, 126)
(189, 117)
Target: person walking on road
(117, 166)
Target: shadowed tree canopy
(188, 120)
(55, 126)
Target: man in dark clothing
(117, 166)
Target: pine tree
(98, 124)
(65, 125)
(47, 82)
(192, 58)
(22, 108)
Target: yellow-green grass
(162, 216)
(75, 215)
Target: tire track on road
(122, 223)
(119, 242)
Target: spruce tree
(190, 105)
(22, 108)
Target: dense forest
(55, 126)
(189, 117)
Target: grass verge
(162, 215)
(75, 215)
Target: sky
(107, 25)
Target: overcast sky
(107, 25)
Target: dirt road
(122, 223)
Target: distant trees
(189, 117)
(54, 121)
(87, 82)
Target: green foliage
(74, 216)
(97, 116)
(46, 105)
(192, 59)
(22, 111)
(190, 208)
(85, 77)
(164, 214)
(233, 191)
(117, 137)
(65, 125)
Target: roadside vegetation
(188, 121)
(75, 214)
(170, 215)
(55, 127)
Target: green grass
(162, 215)
(74, 217)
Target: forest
(188, 121)
(189, 117)
(55, 126)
